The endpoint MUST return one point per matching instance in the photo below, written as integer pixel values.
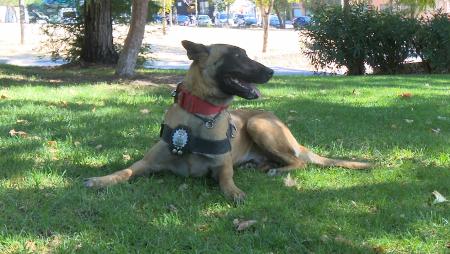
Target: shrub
(391, 42)
(338, 37)
(432, 43)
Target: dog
(201, 136)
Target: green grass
(45, 208)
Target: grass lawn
(82, 123)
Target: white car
(204, 20)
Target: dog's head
(225, 70)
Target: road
(283, 52)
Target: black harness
(181, 141)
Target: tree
(128, 56)
(98, 44)
(22, 21)
(282, 9)
(266, 7)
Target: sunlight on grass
(83, 123)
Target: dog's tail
(323, 161)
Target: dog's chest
(189, 165)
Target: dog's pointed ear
(195, 51)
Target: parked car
(288, 24)
(250, 21)
(182, 20)
(204, 20)
(224, 19)
(274, 21)
(301, 21)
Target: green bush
(391, 42)
(357, 36)
(338, 37)
(432, 43)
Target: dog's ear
(195, 51)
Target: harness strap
(197, 144)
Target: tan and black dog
(200, 136)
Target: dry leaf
(144, 111)
(4, 96)
(52, 144)
(406, 95)
(289, 181)
(93, 110)
(126, 157)
(64, 104)
(30, 246)
(21, 121)
(378, 249)
(437, 130)
(98, 147)
(355, 92)
(438, 198)
(409, 121)
(292, 111)
(394, 126)
(183, 187)
(241, 225)
(14, 133)
(442, 118)
(77, 143)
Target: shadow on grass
(134, 216)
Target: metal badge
(210, 124)
(179, 140)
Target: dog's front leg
(152, 162)
(226, 182)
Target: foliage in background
(381, 39)
(339, 38)
(391, 42)
(433, 43)
(64, 40)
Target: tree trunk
(129, 54)
(22, 21)
(265, 14)
(98, 44)
(280, 19)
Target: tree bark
(129, 54)
(22, 21)
(265, 23)
(98, 44)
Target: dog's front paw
(236, 194)
(94, 182)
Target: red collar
(196, 105)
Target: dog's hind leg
(151, 163)
(276, 141)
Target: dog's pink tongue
(257, 92)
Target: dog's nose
(269, 72)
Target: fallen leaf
(93, 110)
(64, 104)
(355, 92)
(77, 143)
(442, 118)
(144, 111)
(22, 121)
(437, 130)
(126, 157)
(409, 121)
(30, 246)
(183, 187)
(172, 208)
(394, 126)
(98, 147)
(52, 143)
(378, 249)
(241, 225)
(354, 203)
(438, 198)
(448, 245)
(289, 181)
(406, 95)
(14, 133)
(4, 96)
(292, 111)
